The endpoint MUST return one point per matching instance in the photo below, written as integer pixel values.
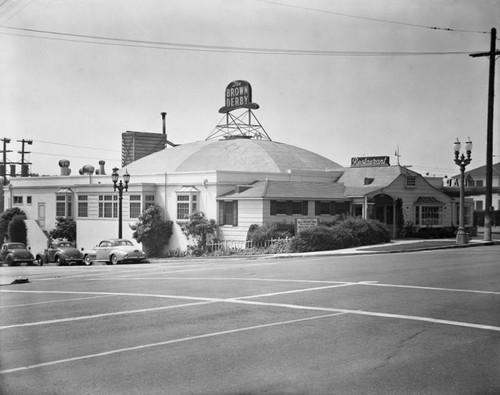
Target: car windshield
(16, 246)
(123, 243)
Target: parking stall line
(56, 301)
(94, 316)
(277, 280)
(476, 291)
(165, 343)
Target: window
(18, 200)
(135, 206)
(108, 206)
(149, 201)
(411, 181)
(29, 200)
(479, 205)
(289, 207)
(182, 206)
(228, 213)
(331, 208)
(428, 215)
(187, 202)
(83, 206)
(64, 206)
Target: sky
(341, 78)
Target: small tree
(152, 231)
(65, 229)
(17, 230)
(199, 229)
(5, 219)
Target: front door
(41, 215)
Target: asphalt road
(412, 323)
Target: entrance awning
(428, 200)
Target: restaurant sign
(238, 95)
(370, 161)
(305, 223)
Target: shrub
(5, 219)
(17, 230)
(65, 229)
(348, 233)
(260, 234)
(435, 233)
(199, 229)
(152, 231)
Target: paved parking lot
(425, 322)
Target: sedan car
(15, 254)
(61, 252)
(114, 251)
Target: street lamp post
(462, 161)
(120, 186)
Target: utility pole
(489, 134)
(4, 168)
(24, 173)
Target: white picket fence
(244, 244)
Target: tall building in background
(137, 145)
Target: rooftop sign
(370, 161)
(238, 95)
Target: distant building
(475, 186)
(137, 145)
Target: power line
(77, 146)
(373, 19)
(100, 40)
(73, 156)
(15, 13)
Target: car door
(102, 251)
(51, 252)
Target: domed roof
(246, 155)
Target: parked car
(114, 251)
(61, 252)
(15, 254)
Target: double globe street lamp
(120, 186)
(462, 161)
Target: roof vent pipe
(101, 170)
(64, 165)
(164, 126)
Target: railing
(244, 244)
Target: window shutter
(305, 206)
(273, 207)
(317, 208)
(289, 207)
(221, 212)
(235, 213)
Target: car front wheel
(87, 260)
(39, 261)
(113, 259)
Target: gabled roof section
(355, 178)
(480, 172)
(288, 190)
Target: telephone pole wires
(4, 163)
(489, 134)
(24, 165)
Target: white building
(238, 177)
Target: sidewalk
(395, 246)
